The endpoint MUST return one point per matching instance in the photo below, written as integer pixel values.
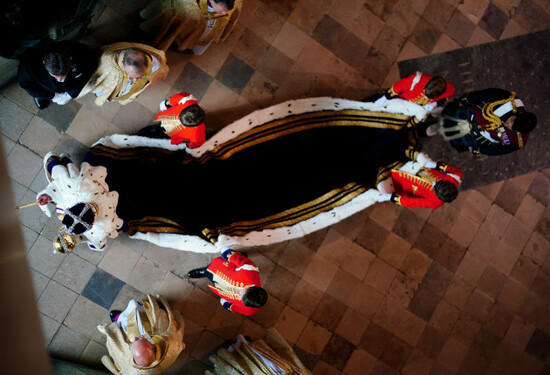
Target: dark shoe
(113, 314)
(153, 131)
(197, 273)
(42, 103)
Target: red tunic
(412, 89)
(416, 191)
(231, 273)
(194, 136)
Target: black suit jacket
(35, 79)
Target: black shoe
(42, 103)
(153, 131)
(197, 273)
(113, 314)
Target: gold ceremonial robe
(110, 79)
(245, 361)
(184, 22)
(163, 327)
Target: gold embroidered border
(334, 198)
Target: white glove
(162, 105)
(382, 100)
(383, 198)
(62, 98)
(430, 106)
(430, 164)
(422, 159)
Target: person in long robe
(190, 24)
(276, 174)
(271, 355)
(121, 78)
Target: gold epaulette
(495, 121)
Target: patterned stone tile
(13, 119)
(425, 36)
(274, 65)
(337, 352)
(530, 16)
(74, 273)
(193, 80)
(423, 303)
(389, 42)
(329, 33)
(352, 50)
(281, 284)
(102, 288)
(494, 21)
(376, 66)
(85, 316)
(291, 324)
(328, 313)
(460, 28)
(360, 362)
(60, 116)
(372, 237)
(396, 353)
(23, 165)
(266, 23)
(56, 301)
(67, 344)
(375, 339)
(381, 9)
(250, 48)
(351, 326)
(314, 338)
(408, 226)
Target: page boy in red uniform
(181, 119)
(236, 281)
(432, 186)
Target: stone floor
(459, 290)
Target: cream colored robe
(184, 22)
(109, 79)
(245, 361)
(167, 324)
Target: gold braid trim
(495, 121)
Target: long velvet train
(277, 174)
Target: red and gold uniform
(232, 272)
(412, 89)
(416, 191)
(194, 136)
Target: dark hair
(255, 297)
(445, 191)
(135, 57)
(525, 122)
(192, 115)
(435, 87)
(228, 3)
(57, 61)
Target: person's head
(135, 63)
(222, 6)
(254, 296)
(57, 63)
(143, 352)
(523, 122)
(192, 115)
(446, 191)
(435, 87)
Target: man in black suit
(56, 72)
